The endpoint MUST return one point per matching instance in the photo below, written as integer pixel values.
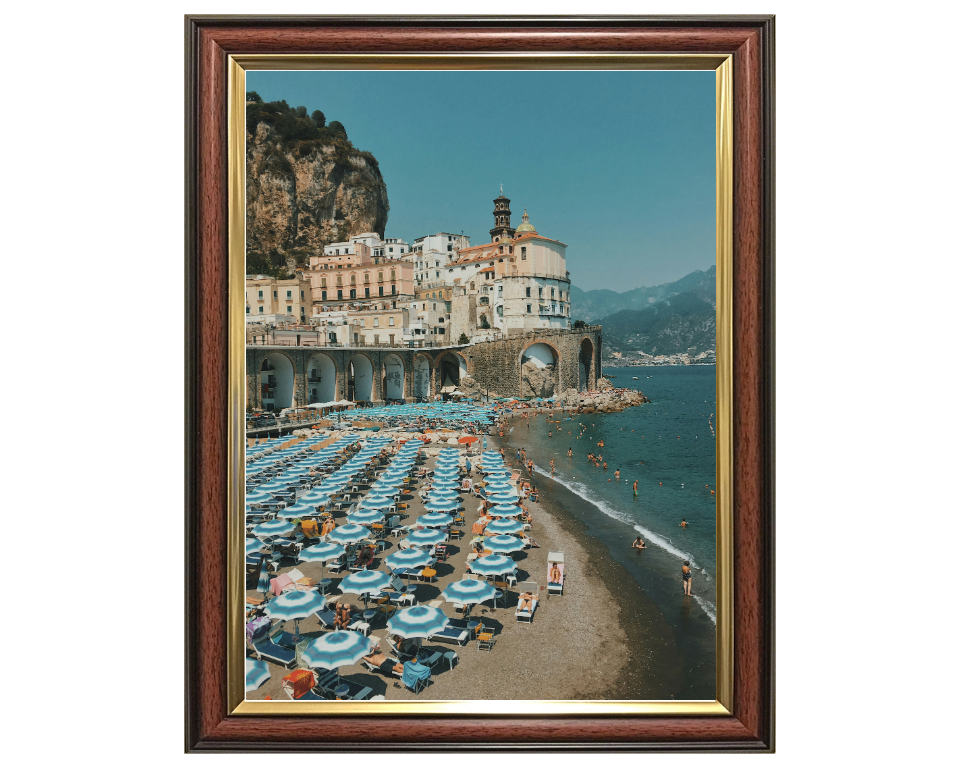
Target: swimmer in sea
(617, 474)
(684, 523)
(569, 453)
(634, 489)
(550, 435)
(552, 468)
(639, 544)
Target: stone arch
(321, 379)
(276, 381)
(451, 367)
(587, 369)
(539, 369)
(422, 370)
(360, 378)
(393, 377)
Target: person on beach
(554, 576)
(683, 522)
(553, 469)
(530, 467)
(378, 659)
(525, 602)
(687, 577)
(523, 456)
(342, 618)
(639, 543)
(518, 454)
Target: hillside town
(436, 291)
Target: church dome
(525, 225)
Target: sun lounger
(269, 650)
(326, 617)
(456, 631)
(527, 615)
(555, 587)
(389, 667)
(356, 691)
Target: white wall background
(867, 252)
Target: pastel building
(271, 299)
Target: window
(499, 290)
(523, 252)
(391, 250)
(301, 295)
(260, 310)
(289, 295)
(449, 248)
(540, 292)
(552, 290)
(393, 274)
(248, 309)
(353, 293)
(366, 277)
(338, 252)
(434, 306)
(366, 292)
(353, 279)
(401, 250)
(289, 310)
(393, 289)
(376, 322)
(529, 308)
(259, 294)
(441, 320)
(561, 295)
(339, 294)
(528, 293)
(274, 294)
(339, 280)
(323, 295)
(392, 336)
(391, 320)
(380, 277)
(381, 290)
(363, 322)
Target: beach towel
(310, 529)
(258, 629)
(555, 583)
(277, 585)
(413, 672)
(299, 682)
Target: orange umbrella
(468, 439)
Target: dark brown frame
(209, 40)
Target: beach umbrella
(336, 649)
(365, 517)
(419, 621)
(504, 510)
(263, 583)
(503, 544)
(273, 528)
(468, 591)
(442, 505)
(426, 537)
(377, 502)
(504, 526)
(496, 486)
(492, 565)
(468, 439)
(258, 497)
(297, 510)
(258, 672)
(502, 498)
(252, 545)
(408, 558)
(350, 533)
(434, 520)
(295, 605)
(321, 553)
(365, 582)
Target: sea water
(668, 447)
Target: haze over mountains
(660, 320)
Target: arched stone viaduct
(283, 376)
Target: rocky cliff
(302, 195)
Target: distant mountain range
(663, 320)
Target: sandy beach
(586, 644)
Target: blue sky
(620, 166)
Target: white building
(431, 253)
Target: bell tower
(501, 218)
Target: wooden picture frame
(745, 722)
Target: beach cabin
(555, 574)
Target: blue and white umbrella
(469, 591)
(493, 565)
(273, 528)
(426, 537)
(336, 649)
(365, 517)
(502, 498)
(322, 553)
(297, 510)
(419, 621)
(502, 544)
(442, 506)
(263, 582)
(503, 526)
(350, 533)
(315, 498)
(258, 672)
(378, 502)
(435, 520)
(295, 606)
(408, 558)
(252, 545)
(258, 497)
(504, 510)
(365, 582)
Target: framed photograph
(480, 383)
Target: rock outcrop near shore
(608, 401)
